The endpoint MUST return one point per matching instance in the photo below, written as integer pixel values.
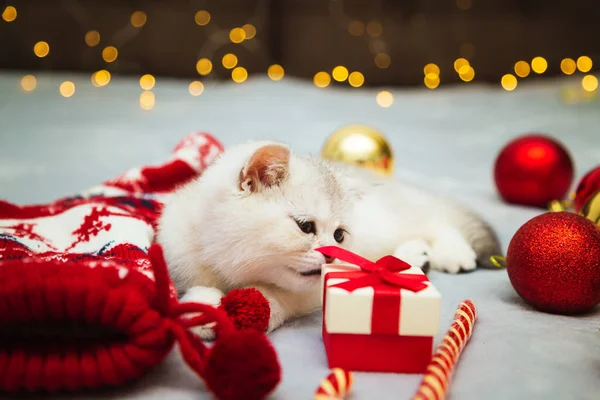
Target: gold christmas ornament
(591, 209)
(360, 145)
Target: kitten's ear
(267, 167)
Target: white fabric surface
(445, 140)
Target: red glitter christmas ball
(533, 170)
(553, 262)
(588, 185)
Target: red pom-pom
(242, 365)
(247, 308)
(553, 262)
(533, 170)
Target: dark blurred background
(374, 42)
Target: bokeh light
(464, 4)
(202, 17)
(539, 65)
(239, 74)
(138, 19)
(9, 14)
(522, 69)
(589, 83)
(237, 35)
(431, 81)
(568, 66)
(41, 49)
(374, 29)
(467, 50)
(147, 100)
(196, 88)
(459, 63)
(322, 79)
(250, 31)
(92, 38)
(147, 82)
(110, 54)
(584, 64)
(340, 73)
(67, 89)
(382, 60)
(509, 82)
(100, 78)
(229, 60)
(384, 99)
(431, 69)
(466, 73)
(356, 28)
(275, 72)
(28, 83)
(204, 66)
(356, 79)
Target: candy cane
(336, 386)
(436, 381)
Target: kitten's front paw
(203, 294)
(415, 252)
(452, 254)
(205, 332)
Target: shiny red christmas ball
(588, 185)
(533, 170)
(553, 262)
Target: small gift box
(377, 316)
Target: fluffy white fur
(237, 226)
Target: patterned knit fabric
(86, 300)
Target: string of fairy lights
(245, 35)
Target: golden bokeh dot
(239, 74)
(356, 28)
(459, 63)
(568, 66)
(237, 35)
(584, 63)
(9, 14)
(464, 4)
(138, 19)
(250, 31)
(196, 88)
(539, 65)
(100, 78)
(110, 54)
(340, 73)
(322, 79)
(382, 60)
(147, 100)
(28, 83)
(147, 82)
(522, 69)
(431, 81)
(204, 66)
(41, 49)
(67, 89)
(374, 29)
(202, 17)
(275, 72)
(431, 68)
(384, 98)
(92, 38)
(466, 73)
(509, 82)
(229, 60)
(589, 83)
(467, 50)
(356, 79)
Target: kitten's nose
(329, 260)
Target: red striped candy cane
(436, 381)
(336, 386)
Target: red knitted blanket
(85, 297)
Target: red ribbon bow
(383, 271)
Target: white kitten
(254, 218)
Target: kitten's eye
(338, 235)
(306, 226)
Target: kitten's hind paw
(416, 253)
